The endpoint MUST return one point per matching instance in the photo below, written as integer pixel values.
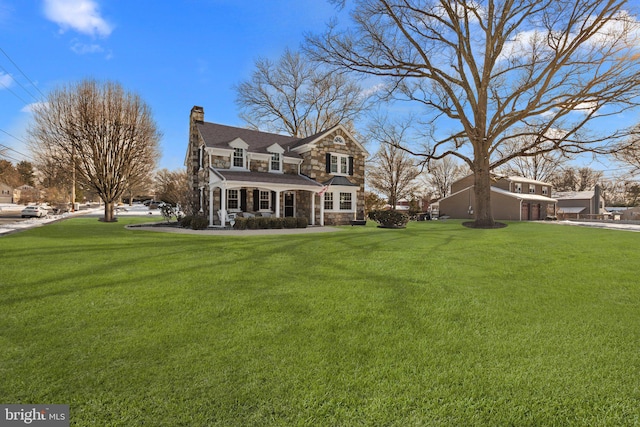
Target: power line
(19, 84)
(12, 149)
(22, 72)
(12, 136)
(14, 94)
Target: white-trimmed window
(338, 139)
(340, 164)
(340, 201)
(238, 160)
(532, 189)
(276, 162)
(233, 199)
(345, 202)
(545, 191)
(517, 187)
(265, 200)
(328, 201)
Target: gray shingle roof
(219, 136)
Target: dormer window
(276, 162)
(238, 158)
(517, 187)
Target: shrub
(252, 223)
(302, 222)
(290, 222)
(263, 222)
(390, 218)
(240, 224)
(185, 221)
(276, 222)
(199, 223)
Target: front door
(289, 204)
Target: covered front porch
(244, 193)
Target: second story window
(545, 191)
(276, 162)
(532, 189)
(517, 187)
(238, 158)
(339, 164)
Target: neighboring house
(6, 193)
(236, 171)
(630, 214)
(581, 204)
(512, 199)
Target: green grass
(437, 324)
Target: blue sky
(174, 54)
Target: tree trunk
(108, 212)
(482, 190)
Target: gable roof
(219, 136)
(574, 195)
(313, 139)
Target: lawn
(436, 324)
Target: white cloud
(82, 16)
(32, 107)
(83, 48)
(5, 80)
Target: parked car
(34, 211)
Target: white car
(34, 211)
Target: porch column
(211, 190)
(278, 204)
(322, 210)
(223, 206)
(313, 208)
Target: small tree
(391, 171)
(103, 132)
(441, 174)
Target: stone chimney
(197, 114)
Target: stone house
(513, 198)
(235, 171)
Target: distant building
(581, 204)
(6, 193)
(513, 198)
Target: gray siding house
(235, 171)
(512, 199)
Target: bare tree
(172, 186)
(9, 174)
(108, 134)
(441, 174)
(545, 68)
(392, 171)
(630, 153)
(540, 165)
(575, 179)
(297, 97)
